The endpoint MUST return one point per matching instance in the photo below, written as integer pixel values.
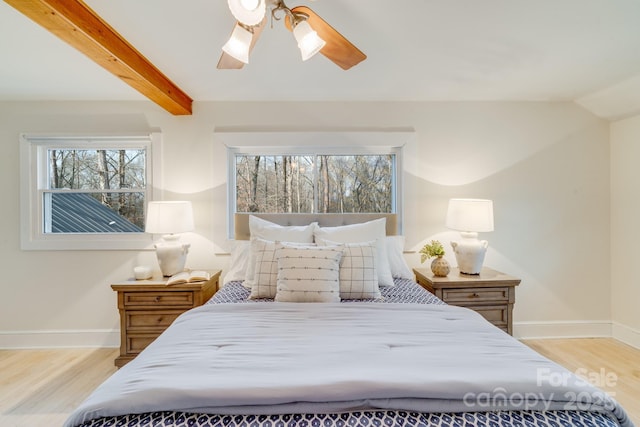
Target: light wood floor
(610, 364)
(41, 387)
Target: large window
(85, 192)
(332, 171)
(314, 180)
(326, 183)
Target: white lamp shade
(308, 40)
(249, 12)
(470, 215)
(169, 217)
(239, 44)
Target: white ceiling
(586, 51)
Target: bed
(320, 323)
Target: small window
(85, 192)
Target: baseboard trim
(626, 334)
(87, 338)
(567, 329)
(96, 338)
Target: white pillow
(263, 269)
(397, 263)
(308, 274)
(353, 233)
(358, 272)
(268, 230)
(358, 233)
(240, 255)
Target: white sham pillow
(239, 263)
(308, 274)
(358, 272)
(268, 230)
(363, 232)
(353, 233)
(397, 264)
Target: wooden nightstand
(490, 293)
(148, 307)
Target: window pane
(274, 184)
(96, 169)
(355, 184)
(94, 212)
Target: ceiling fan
(312, 33)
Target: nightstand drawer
(496, 314)
(135, 343)
(150, 320)
(473, 295)
(158, 299)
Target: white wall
(625, 229)
(545, 165)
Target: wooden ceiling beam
(77, 24)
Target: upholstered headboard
(241, 229)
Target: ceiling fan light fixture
(308, 40)
(249, 12)
(239, 43)
(250, 4)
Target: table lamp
(470, 216)
(169, 219)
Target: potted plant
(439, 266)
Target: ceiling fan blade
(338, 49)
(228, 62)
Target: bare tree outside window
(96, 190)
(315, 183)
(87, 192)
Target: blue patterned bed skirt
(363, 419)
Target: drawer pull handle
(475, 295)
(157, 299)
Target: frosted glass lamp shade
(249, 12)
(169, 217)
(239, 44)
(308, 40)
(470, 216)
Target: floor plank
(609, 364)
(42, 387)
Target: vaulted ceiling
(587, 51)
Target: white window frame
(33, 181)
(314, 143)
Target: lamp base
(172, 255)
(470, 253)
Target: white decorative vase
(172, 255)
(470, 253)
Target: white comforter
(268, 358)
